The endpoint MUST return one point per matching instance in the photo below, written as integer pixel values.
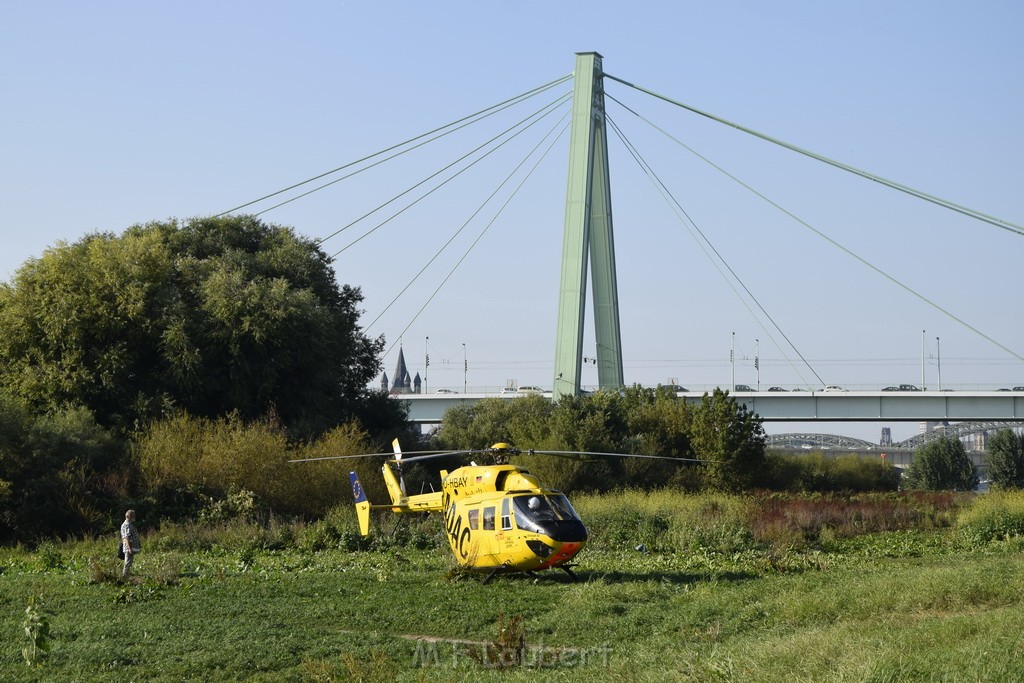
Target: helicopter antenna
(398, 461)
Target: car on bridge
(775, 389)
(832, 387)
(445, 391)
(530, 390)
(742, 387)
(902, 387)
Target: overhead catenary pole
(588, 236)
(938, 362)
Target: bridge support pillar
(588, 232)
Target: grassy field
(710, 598)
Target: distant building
(976, 442)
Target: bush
(56, 473)
(237, 505)
(221, 458)
(816, 473)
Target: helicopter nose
(566, 552)
(559, 553)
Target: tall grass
(671, 521)
(798, 519)
(997, 515)
(665, 520)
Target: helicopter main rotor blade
(429, 455)
(570, 454)
(440, 454)
(369, 455)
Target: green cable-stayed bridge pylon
(588, 233)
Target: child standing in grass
(130, 542)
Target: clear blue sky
(120, 113)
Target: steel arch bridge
(959, 430)
(808, 440)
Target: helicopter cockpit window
(565, 509)
(532, 510)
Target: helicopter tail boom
(400, 502)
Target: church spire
(403, 382)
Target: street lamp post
(465, 368)
(426, 363)
(732, 362)
(923, 387)
(757, 362)
(938, 361)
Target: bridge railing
(700, 389)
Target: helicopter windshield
(533, 511)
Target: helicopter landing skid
(501, 569)
(495, 572)
(566, 568)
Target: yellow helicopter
(497, 518)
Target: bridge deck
(801, 406)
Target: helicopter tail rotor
(395, 484)
(398, 461)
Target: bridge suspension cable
(522, 125)
(422, 308)
(821, 234)
(470, 219)
(972, 213)
(704, 243)
(438, 132)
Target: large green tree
(942, 465)
(211, 315)
(635, 421)
(1006, 460)
(731, 441)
